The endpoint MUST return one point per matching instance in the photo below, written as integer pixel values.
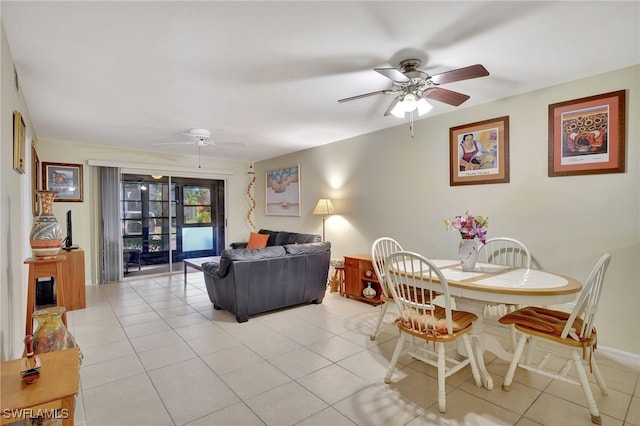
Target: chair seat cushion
(541, 319)
(422, 322)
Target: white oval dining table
(493, 284)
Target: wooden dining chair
(504, 251)
(571, 337)
(380, 250)
(426, 328)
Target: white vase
(369, 292)
(468, 254)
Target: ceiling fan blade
(447, 96)
(391, 106)
(393, 74)
(353, 98)
(174, 143)
(465, 73)
(230, 144)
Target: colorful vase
(51, 334)
(46, 233)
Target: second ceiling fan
(412, 87)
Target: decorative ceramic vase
(46, 233)
(51, 334)
(468, 254)
(369, 292)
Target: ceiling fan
(413, 87)
(201, 138)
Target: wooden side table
(55, 389)
(358, 274)
(43, 268)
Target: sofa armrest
(238, 245)
(213, 269)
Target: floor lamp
(324, 208)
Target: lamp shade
(324, 207)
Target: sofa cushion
(271, 234)
(257, 240)
(308, 248)
(229, 256)
(281, 238)
(253, 254)
(303, 238)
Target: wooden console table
(55, 389)
(43, 268)
(67, 269)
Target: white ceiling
(269, 74)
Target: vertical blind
(111, 256)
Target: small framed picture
(19, 142)
(587, 135)
(283, 192)
(64, 178)
(479, 152)
(35, 181)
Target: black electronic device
(68, 241)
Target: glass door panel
(169, 220)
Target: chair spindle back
(382, 248)
(505, 251)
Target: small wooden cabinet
(358, 273)
(74, 281)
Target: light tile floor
(157, 353)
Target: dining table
(489, 284)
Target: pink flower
(469, 226)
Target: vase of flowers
(472, 230)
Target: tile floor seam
(146, 372)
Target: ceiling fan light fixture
(409, 103)
(398, 110)
(423, 106)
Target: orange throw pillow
(257, 240)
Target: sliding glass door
(168, 219)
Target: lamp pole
(323, 219)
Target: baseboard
(627, 359)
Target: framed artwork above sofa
(282, 196)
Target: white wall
(14, 202)
(387, 183)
